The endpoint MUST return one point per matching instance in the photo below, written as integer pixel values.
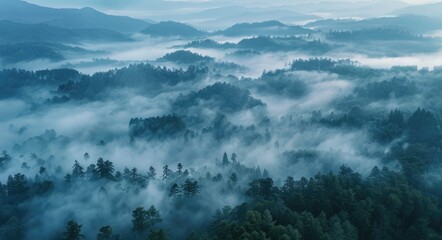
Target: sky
(133, 4)
(185, 10)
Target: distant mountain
(223, 17)
(412, 23)
(429, 10)
(23, 12)
(19, 32)
(173, 29)
(274, 28)
(12, 53)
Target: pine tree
(145, 219)
(152, 173)
(166, 172)
(179, 168)
(225, 160)
(77, 170)
(73, 231)
(17, 185)
(190, 188)
(105, 169)
(174, 190)
(105, 233)
(233, 178)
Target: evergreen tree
(179, 168)
(105, 169)
(174, 190)
(144, 220)
(166, 172)
(135, 178)
(17, 186)
(152, 173)
(4, 157)
(225, 160)
(233, 178)
(105, 233)
(73, 231)
(234, 158)
(157, 235)
(78, 170)
(190, 188)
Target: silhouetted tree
(105, 233)
(225, 160)
(174, 190)
(78, 170)
(166, 172)
(179, 168)
(190, 188)
(105, 169)
(144, 220)
(233, 178)
(152, 173)
(73, 231)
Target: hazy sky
(171, 10)
(135, 3)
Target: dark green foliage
(233, 178)
(342, 206)
(174, 191)
(166, 172)
(423, 127)
(208, 43)
(271, 44)
(23, 52)
(78, 170)
(383, 34)
(12, 229)
(138, 76)
(105, 233)
(262, 188)
(280, 83)
(266, 44)
(12, 81)
(105, 169)
(344, 67)
(157, 127)
(133, 177)
(73, 231)
(395, 88)
(185, 57)
(17, 186)
(144, 220)
(190, 189)
(225, 96)
(157, 235)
